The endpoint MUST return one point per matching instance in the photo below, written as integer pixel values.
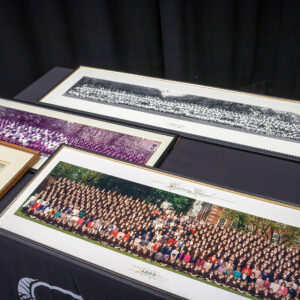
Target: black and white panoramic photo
(248, 118)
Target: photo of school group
(46, 134)
(235, 251)
(233, 115)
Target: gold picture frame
(15, 161)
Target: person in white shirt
(120, 235)
(275, 285)
(175, 252)
(294, 284)
(75, 211)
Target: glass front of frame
(177, 235)
(44, 130)
(239, 118)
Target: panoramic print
(244, 117)
(247, 255)
(46, 134)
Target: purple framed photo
(45, 130)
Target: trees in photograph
(179, 203)
(286, 234)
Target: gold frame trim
(35, 155)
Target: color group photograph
(248, 255)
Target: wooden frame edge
(35, 157)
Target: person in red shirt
(156, 247)
(193, 230)
(200, 261)
(115, 232)
(213, 259)
(36, 205)
(126, 236)
(156, 212)
(171, 241)
(247, 268)
(80, 222)
(90, 225)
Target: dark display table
(240, 170)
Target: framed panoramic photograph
(15, 161)
(45, 129)
(181, 236)
(249, 121)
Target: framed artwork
(249, 121)
(178, 235)
(15, 161)
(45, 129)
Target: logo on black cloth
(27, 287)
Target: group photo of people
(210, 246)
(250, 118)
(46, 134)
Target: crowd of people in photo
(236, 259)
(47, 141)
(258, 120)
(43, 140)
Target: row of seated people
(164, 236)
